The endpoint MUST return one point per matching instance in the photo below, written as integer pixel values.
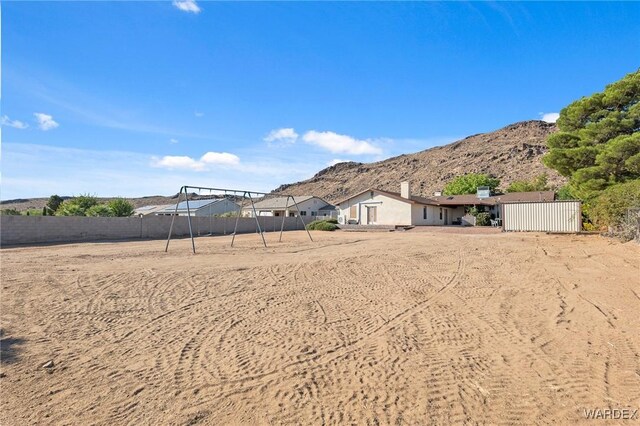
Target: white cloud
(340, 144)
(45, 121)
(173, 141)
(6, 121)
(549, 117)
(187, 6)
(69, 171)
(187, 163)
(222, 158)
(198, 114)
(285, 135)
(178, 162)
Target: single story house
(378, 207)
(208, 207)
(309, 205)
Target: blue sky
(139, 98)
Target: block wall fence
(15, 230)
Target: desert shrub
(473, 211)
(120, 207)
(100, 210)
(33, 212)
(322, 225)
(10, 212)
(332, 220)
(610, 207)
(539, 183)
(483, 219)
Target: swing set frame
(228, 192)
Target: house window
(424, 212)
(313, 214)
(440, 213)
(303, 213)
(353, 212)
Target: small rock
(3, 375)
(48, 364)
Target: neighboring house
(378, 207)
(309, 206)
(150, 210)
(209, 207)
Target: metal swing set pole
(286, 206)
(299, 215)
(193, 244)
(257, 221)
(235, 230)
(185, 188)
(173, 219)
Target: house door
(446, 216)
(372, 215)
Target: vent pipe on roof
(405, 190)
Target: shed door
(372, 215)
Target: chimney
(405, 190)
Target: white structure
(377, 207)
(151, 210)
(554, 216)
(208, 207)
(309, 206)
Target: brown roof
(466, 199)
(396, 195)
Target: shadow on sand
(9, 348)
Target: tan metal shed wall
(553, 216)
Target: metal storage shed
(542, 216)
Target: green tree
(99, 210)
(77, 206)
(121, 207)
(54, 202)
(598, 144)
(469, 183)
(539, 183)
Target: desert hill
(511, 153)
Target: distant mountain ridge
(511, 153)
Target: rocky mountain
(511, 153)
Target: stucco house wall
(390, 211)
(433, 215)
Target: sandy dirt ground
(364, 328)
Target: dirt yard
(369, 328)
